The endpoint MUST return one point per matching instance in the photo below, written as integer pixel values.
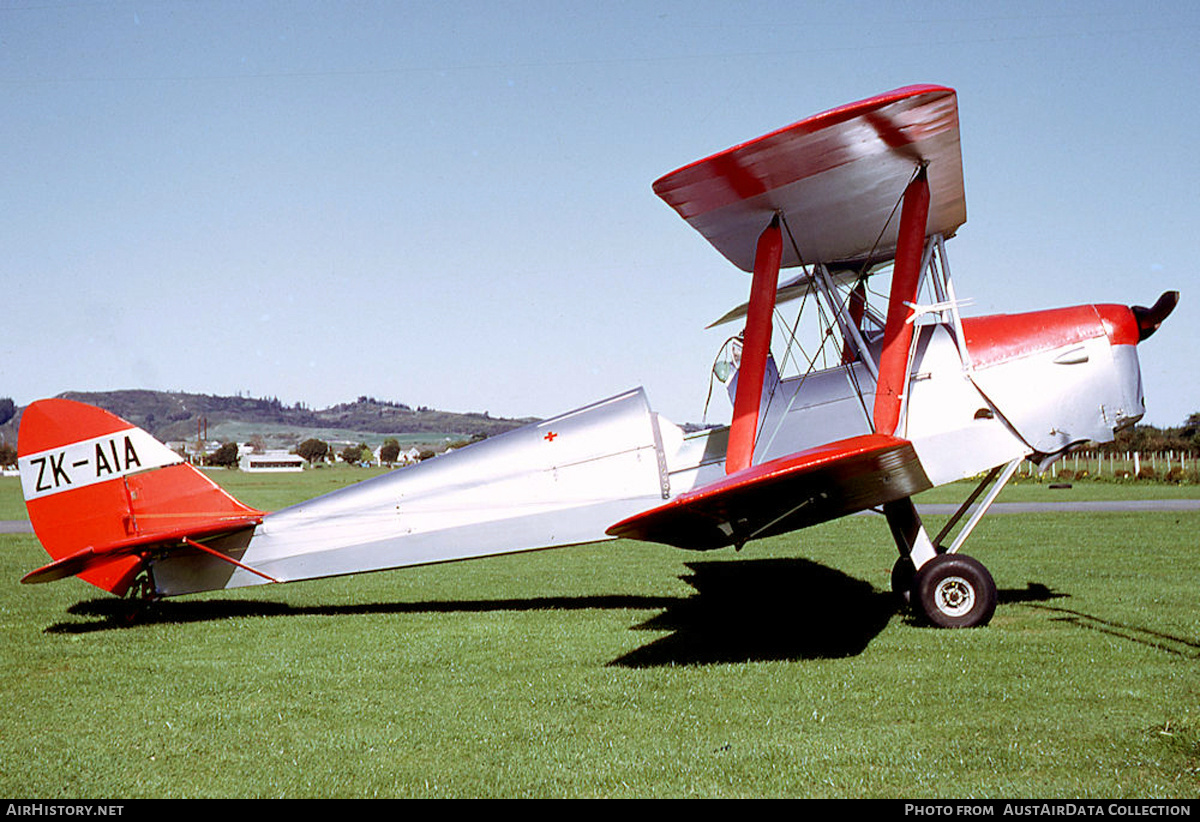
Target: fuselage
(1021, 385)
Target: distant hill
(170, 415)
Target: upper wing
(782, 495)
(836, 178)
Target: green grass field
(624, 670)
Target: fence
(1171, 466)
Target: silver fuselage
(566, 480)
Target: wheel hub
(954, 596)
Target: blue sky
(448, 204)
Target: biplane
(903, 394)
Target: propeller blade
(1149, 319)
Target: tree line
(315, 451)
(1148, 438)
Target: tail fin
(102, 493)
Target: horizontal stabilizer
(76, 563)
(785, 494)
(92, 558)
(835, 179)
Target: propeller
(1149, 319)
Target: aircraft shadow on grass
(777, 609)
(758, 610)
(740, 611)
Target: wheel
(902, 578)
(955, 591)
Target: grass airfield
(625, 669)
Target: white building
(271, 461)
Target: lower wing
(806, 488)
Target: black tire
(903, 573)
(955, 591)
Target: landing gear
(135, 605)
(948, 589)
(954, 591)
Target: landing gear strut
(903, 573)
(946, 588)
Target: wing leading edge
(806, 488)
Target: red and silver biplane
(914, 395)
